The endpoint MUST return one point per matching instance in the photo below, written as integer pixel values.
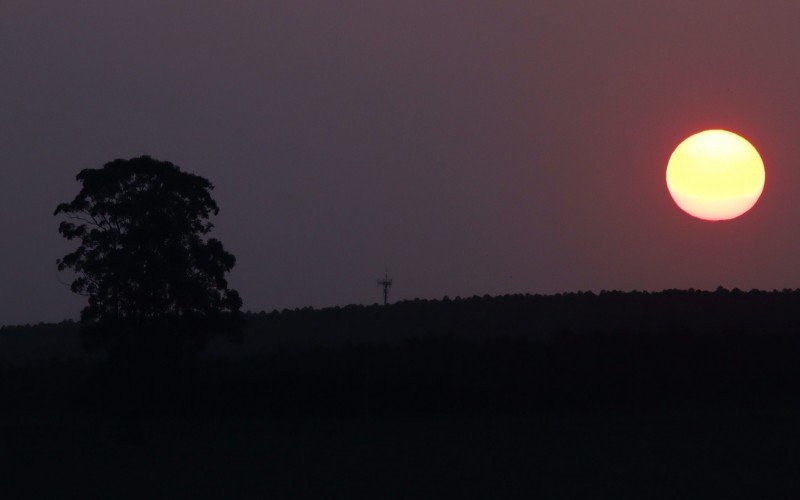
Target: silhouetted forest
(515, 353)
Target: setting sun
(715, 175)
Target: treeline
(527, 316)
(516, 353)
(533, 317)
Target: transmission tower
(386, 283)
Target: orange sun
(715, 175)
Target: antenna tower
(386, 283)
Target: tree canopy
(145, 261)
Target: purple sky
(471, 147)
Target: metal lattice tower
(386, 283)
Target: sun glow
(715, 175)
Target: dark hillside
(532, 317)
(616, 395)
(41, 342)
(515, 353)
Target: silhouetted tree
(155, 283)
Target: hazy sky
(471, 147)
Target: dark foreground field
(647, 396)
(666, 454)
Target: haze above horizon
(470, 148)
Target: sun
(715, 175)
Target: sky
(467, 147)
